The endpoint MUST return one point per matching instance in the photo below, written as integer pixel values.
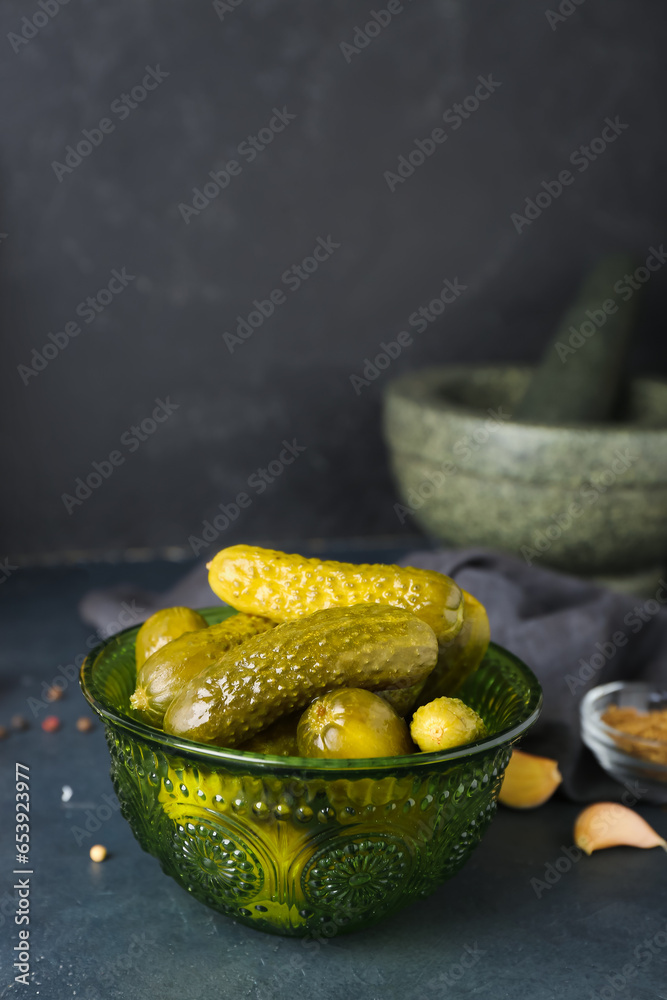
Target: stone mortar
(471, 475)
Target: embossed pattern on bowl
(301, 847)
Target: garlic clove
(529, 781)
(609, 824)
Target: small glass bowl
(300, 846)
(638, 763)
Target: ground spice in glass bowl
(624, 723)
(651, 725)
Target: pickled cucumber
(285, 587)
(403, 700)
(369, 645)
(445, 723)
(162, 627)
(352, 722)
(461, 657)
(279, 739)
(164, 673)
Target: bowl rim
(409, 387)
(591, 719)
(305, 765)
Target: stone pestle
(582, 374)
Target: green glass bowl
(304, 847)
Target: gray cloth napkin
(573, 634)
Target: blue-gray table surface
(522, 919)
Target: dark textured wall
(356, 112)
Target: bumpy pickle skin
(445, 723)
(350, 723)
(278, 740)
(165, 673)
(162, 627)
(459, 658)
(404, 700)
(368, 645)
(285, 587)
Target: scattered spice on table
(4, 732)
(54, 693)
(98, 852)
(18, 722)
(51, 723)
(84, 724)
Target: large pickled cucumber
(370, 646)
(285, 587)
(164, 673)
(461, 657)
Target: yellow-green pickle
(162, 627)
(352, 722)
(278, 740)
(459, 657)
(284, 587)
(445, 723)
(368, 645)
(164, 674)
